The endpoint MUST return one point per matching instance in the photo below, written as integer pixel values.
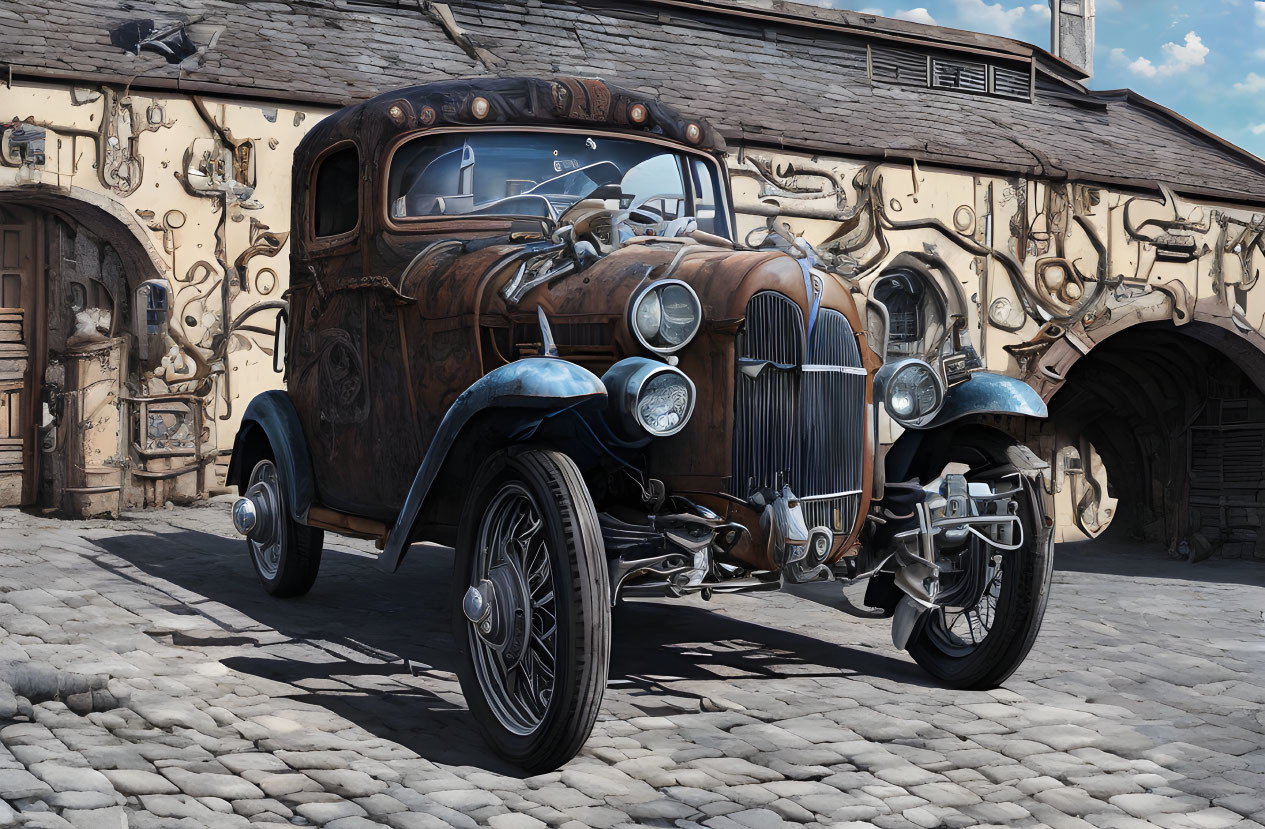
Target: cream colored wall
(1163, 258)
(990, 211)
(144, 157)
(151, 146)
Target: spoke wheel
(531, 607)
(517, 672)
(960, 630)
(286, 555)
(980, 641)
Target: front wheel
(532, 607)
(977, 643)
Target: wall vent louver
(907, 67)
(953, 74)
(1012, 83)
(899, 66)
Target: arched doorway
(1177, 417)
(67, 354)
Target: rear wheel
(979, 641)
(531, 607)
(286, 554)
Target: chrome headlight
(665, 315)
(648, 397)
(911, 391)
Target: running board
(347, 524)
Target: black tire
(548, 729)
(1024, 587)
(287, 565)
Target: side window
(336, 208)
(707, 204)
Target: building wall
(193, 194)
(1023, 276)
(1044, 272)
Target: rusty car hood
(449, 283)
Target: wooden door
(19, 295)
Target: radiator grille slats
(800, 423)
(778, 333)
(834, 342)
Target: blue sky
(1205, 60)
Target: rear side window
(337, 205)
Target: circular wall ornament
(964, 219)
(265, 281)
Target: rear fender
(271, 418)
(516, 398)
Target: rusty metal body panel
(392, 321)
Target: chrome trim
(641, 292)
(837, 369)
(245, 515)
(830, 495)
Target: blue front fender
(535, 386)
(989, 393)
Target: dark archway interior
(1179, 419)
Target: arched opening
(1161, 430)
(69, 279)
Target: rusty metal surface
(391, 322)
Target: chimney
(1072, 32)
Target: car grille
(801, 419)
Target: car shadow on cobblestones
(377, 649)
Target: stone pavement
(149, 682)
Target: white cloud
(989, 17)
(1259, 54)
(1257, 129)
(997, 18)
(918, 15)
(1253, 83)
(1186, 56)
(1178, 58)
(871, 10)
(1260, 13)
(1143, 67)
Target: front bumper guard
(947, 515)
(799, 552)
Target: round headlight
(912, 391)
(664, 403)
(647, 398)
(666, 315)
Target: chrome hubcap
(261, 507)
(512, 611)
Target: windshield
(544, 174)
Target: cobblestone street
(149, 682)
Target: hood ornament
(548, 346)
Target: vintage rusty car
(519, 324)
